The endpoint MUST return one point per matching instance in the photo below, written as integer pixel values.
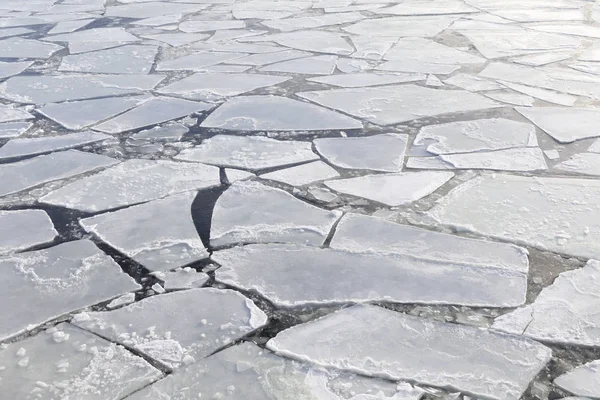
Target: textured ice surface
(20, 229)
(392, 189)
(66, 362)
(378, 153)
(178, 328)
(379, 342)
(133, 231)
(33, 146)
(249, 212)
(132, 182)
(303, 174)
(249, 372)
(13, 129)
(582, 163)
(8, 114)
(517, 159)
(249, 152)
(556, 214)
(299, 275)
(43, 285)
(253, 113)
(564, 312)
(565, 124)
(582, 381)
(394, 104)
(29, 173)
(27, 48)
(183, 278)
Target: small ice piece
(61, 370)
(212, 86)
(167, 327)
(133, 231)
(566, 125)
(476, 135)
(511, 97)
(388, 105)
(197, 61)
(127, 298)
(595, 147)
(154, 111)
(183, 278)
(234, 175)
(252, 113)
(29, 173)
(8, 114)
(582, 163)
(303, 174)
(132, 182)
(171, 131)
(472, 83)
(377, 153)
(249, 212)
(20, 229)
(420, 26)
(556, 214)
(33, 146)
(346, 340)
(322, 194)
(132, 59)
(319, 65)
(427, 163)
(552, 154)
(13, 129)
(363, 79)
(392, 189)
(46, 284)
(582, 381)
(27, 48)
(516, 159)
(249, 152)
(563, 312)
(13, 68)
(537, 60)
(257, 374)
(75, 115)
(433, 81)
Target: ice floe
(132, 59)
(303, 174)
(13, 129)
(319, 65)
(360, 79)
(21, 229)
(33, 146)
(13, 68)
(566, 125)
(422, 26)
(582, 163)
(27, 48)
(517, 159)
(8, 114)
(198, 61)
(582, 381)
(182, 278)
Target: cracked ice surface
(379, 342)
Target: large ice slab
(29, 173)
(384, 343)
(132, 182)
(20, 229)
(27, 48)
(132, 59)
(250, 372)
(249, 212)
(249, 152)
(133, 232)
(394, 104)
(392, 189)
(378, 153)
(563, 312)
(276, 113)
(214, 85)
(556, 214)
(303, 174)
(66, 362)
(565, 124)
(46, 284)
(33, 146)
(178, 328)
(154, 111)
(582, 381)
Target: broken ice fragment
(27, 48)
(566, 125)
(133, 232)
(8, 113)
(127, 298)
(132, 59)
(183, 278)
(13, 129)
(511, 97)
(249, 212)
(168, 328)
(361, 79)
(71, 363)
(392, 189)
(384, 343)
(20, 229)
(39, 145)
(171, 131)
(582, 163)
(13, 68)
(303, 174)
(197, 61)
(45, 284)
(472, 83)
(132, 182)
(582, 381)
(517, 159)
(421, 26)
(320, 65)
(377, 153)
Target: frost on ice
(556, 214)
(382, 343)
(249, 152)
(564, 312)
(33, 146)
(66, 362)
(20, 229)
(582, 381)
(133, 231)
(178, 328)
(249, 212)
(46, 284)
(132, 182)
(249, 372)
(392, 189)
